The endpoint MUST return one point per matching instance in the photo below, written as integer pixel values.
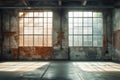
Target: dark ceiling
(60, 3)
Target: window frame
(46, 26)
(71, 44)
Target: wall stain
(116, 37)
(33, 52)
(60, 36)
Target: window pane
(76, 30)
(20, 14)
(36, 14)
(26, 14)
(80, 22)
(70, 31)
(90, 40)
(76, 14)
(45, 40)
(45, 14)
(76, 40)
(80, 40)
(97, 14)
(85, 30)
(50, 14)
(70, 40)
(38, 40)
(28, 40)
(21, 21)
(38, 30)
(70, 14)
(87, 14)
(50, 40)
(97, 40)
(82, 27)
(40, 14)
(49, 20)
(70, 25)
(80, 30)
(80, 14)
(21, 28)
(20, 40)
(89, 30)
(70, 20)
(50, 26)
(28, 30)
(49, 31)
(76, 21)
(36, 27)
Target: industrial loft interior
(59, 39)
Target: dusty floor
(59, 70)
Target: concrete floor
(59, 70)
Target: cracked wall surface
(60, 49)
(116, 35)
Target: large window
(35, 28)
(85, 28)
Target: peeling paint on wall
(116, 35)
(60, 36)
(32, 53)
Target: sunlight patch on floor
(21, 66)
(98, 66)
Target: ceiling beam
(32, 7)
(24, 2)
(84, 2)
(60, 3)
(64, 0)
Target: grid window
(35, 28)
(85, 28)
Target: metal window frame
(33, 35)
(72, 34)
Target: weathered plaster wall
(74, 53)
(107, 41)
(10, 33)
(116, 35)
(60, 49)
(60, 34)
(0, 36)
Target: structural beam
(31, 7)
(84, 2)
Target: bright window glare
(87, 25)
(35, 24)
(20, 14)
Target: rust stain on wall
(33, 52)
(26, 51)
(60, 36)
(105, 44)
(44, 51)
(116, 37)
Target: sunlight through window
(35, 28)
(85, 28)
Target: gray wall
(72, 53)
(116, 35)
(60, 33)
(9, 25)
